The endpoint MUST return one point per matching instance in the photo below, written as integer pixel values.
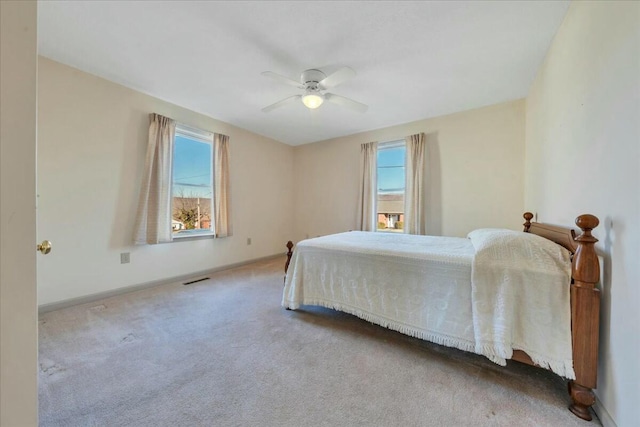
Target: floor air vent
(196, 281)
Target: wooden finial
(586, 268)
(527, 220)
(587, 222)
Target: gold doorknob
(44, 247)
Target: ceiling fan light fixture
(312, 100)
(314, 83)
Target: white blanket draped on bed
(520, 297)
(422, 286)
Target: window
(391, 184)
(192, 187)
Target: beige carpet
(222, 352)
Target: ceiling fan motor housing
(311, 78)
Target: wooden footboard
(585, 305)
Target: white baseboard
(44, 308)
(603, 414)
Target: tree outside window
(192, 201)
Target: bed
(529, 297)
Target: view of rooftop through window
(391, 184)
(192, 184)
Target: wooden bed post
(585, 316)
(289, 253)
(527, 221)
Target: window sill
(182, 237)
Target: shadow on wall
(433, 185)
(604, 348)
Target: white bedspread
(417, 285)
(422, 286)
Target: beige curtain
(368, 187)
(221, 195)
(414, 196)
(153, 223)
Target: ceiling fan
(315, 83)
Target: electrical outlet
(125, 258)
(248, 240)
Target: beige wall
(583, 155)
(92, 143)
(475, 173)
(18, 315)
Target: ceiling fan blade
(340, 76)
(283, 79)
(285, 101)
(346, 102)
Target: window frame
(202, 136)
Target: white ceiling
(413, 60)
